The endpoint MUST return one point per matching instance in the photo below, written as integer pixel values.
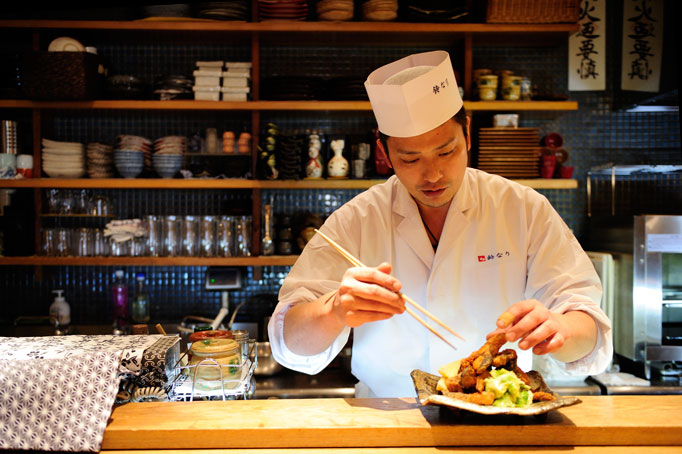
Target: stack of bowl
(167, 157)
(129, 163)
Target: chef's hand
(535, 327)
(368, 295)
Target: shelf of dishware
(350, 106)
(233, 183)
(36, 260)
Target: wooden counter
(628, 424)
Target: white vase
(338, 165)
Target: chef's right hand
(368, 295)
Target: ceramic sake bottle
(313, 168)
(338, 165)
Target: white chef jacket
(501, 243)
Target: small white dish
(65, 44)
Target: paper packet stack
(207, 80)
(236, 81)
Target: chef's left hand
(535, 327)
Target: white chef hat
(414, 95)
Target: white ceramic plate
(65, 44)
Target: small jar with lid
(226, 353)
(242, 338)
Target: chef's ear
(468, 131)
(382, 153)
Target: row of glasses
(78, 242)
(77, 201)
(198, 236)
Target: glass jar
(241, 336)
(210, 357)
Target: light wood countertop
(634, 424)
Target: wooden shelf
(350, 106)
(142, 183)
(285, 26)
(274, 260)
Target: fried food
(483, 398)
(470, 378)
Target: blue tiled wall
(600, 132)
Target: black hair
(460, 117)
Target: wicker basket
(532, 11)
(61, 76)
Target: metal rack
(183, 386)
(634, 190)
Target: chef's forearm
(310, 328)
(583, 337)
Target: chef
(464, 244)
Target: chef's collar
(414, 95)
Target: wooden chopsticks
(348, 256)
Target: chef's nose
(432, 172)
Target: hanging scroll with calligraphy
(642, 45)
(587, 48)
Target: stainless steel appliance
(647, 316)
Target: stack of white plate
(100, 160)
(63, 159)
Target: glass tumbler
(190, 236)
(62, 242)
(242, 236)
(171, 236)
(207, 229)
(83, 242)
(225, 236)
(48, 241)
(99, 245)
(154, 235)
(119, 248)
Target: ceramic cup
(8, 165)
(511, 87)
(25, 165)
(487, 87)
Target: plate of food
(489, 382)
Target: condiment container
(210, 357)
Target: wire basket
(186, 386)
(532, 11)
(61, 76)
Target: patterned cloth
(56, 393)
(57, 404)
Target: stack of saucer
(136, 143)
(380, 10)
(100, 160)
(335, 10)
(509, 152)
(63, 159)
(282, 9)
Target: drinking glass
(171, 236)
(99, 245)
(242, 236)
(119, 248)
(225, 236)
(190, 236)
(207, 243)
(48, 242)
(83, 242)
(62, 242)
(154, 235)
